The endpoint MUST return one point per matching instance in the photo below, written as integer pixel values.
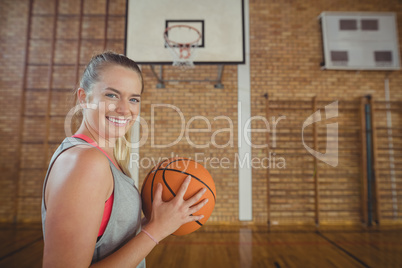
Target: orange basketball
(171, 174)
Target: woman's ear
(82, 97)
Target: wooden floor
(240, 246)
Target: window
(369, 25)
(347, 25)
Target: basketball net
(183, 54)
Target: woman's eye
(134, 100)
(110, 95)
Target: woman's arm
(77, 188)
(78, 185)
(166, 218)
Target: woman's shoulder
(79, 172)
(82, 162)
(85, 155)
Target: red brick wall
(286, 50)
(197, 99)
(285, 45)
(13, 20)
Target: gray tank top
(125, 218)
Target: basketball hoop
(183, 51)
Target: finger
(194, 199)
(158, 193)
(195, 218)
(197, 207)
(183, 187)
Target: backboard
(220, 22)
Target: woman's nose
(122, 107)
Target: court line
(21, 248)
(344, 250)
(302, 232)
(301, 243)
(234, 243)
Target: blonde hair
(91, 76)
(122, 152)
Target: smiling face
(113, 103)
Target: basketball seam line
(152, 184)
(175, 170)
(167, 185)
(170, 189)
(181, 159)
(172, 192)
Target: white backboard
(220, 22)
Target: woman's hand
(167, 217)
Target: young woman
(91, 210)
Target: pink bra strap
(93, 143)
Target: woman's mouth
(118, 121)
